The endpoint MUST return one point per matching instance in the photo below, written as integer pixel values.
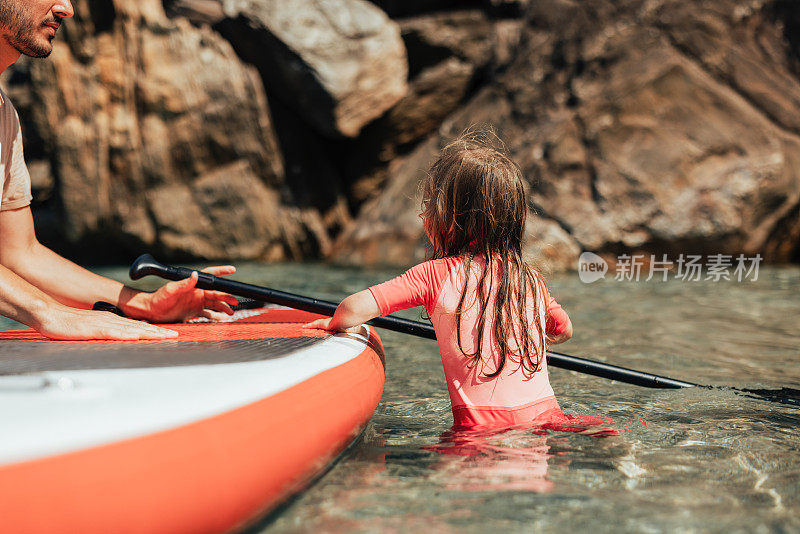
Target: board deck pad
(250, 335)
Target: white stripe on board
(81, 409)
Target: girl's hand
(351, 313)
(320, 324)
(325, 324)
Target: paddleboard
(201, 434)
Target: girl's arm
(555, 339)
(559, 325)
(418, 286)
(353, 311)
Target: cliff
(260, 129)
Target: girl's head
(474, 199)
(474, 204)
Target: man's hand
(65, 323)
(180, 301)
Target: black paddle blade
(789, 396)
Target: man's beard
(22, 31)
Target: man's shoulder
(8, 113)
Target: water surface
(706, 460)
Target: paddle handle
(147, 265)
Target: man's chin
(36, 44)
(37, 51)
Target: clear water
(706, 461)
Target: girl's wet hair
(474, 203)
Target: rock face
(641, 126)
(230, 129)
(339, 63)
(450, 54)
(199, 12)
(161, 139)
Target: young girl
(491, 311)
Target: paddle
(147, 265)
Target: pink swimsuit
(514, 396)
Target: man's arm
(55, 285)
(27, 304)
(66, 282)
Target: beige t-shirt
(16, 180)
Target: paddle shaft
(396, 324)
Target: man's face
(30, 25)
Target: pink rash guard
(511, 398)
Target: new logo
(591, 267)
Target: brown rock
(312, 176)
(313, 181)
(449, 53)
(340, 63)
(431, 39)
(199, 12)
(638, 129)
(507, 8)
(506, 40)
(742, 45)
(406, 8)
(388, 230)
(141, 119)
(647, 126)
(675, 158)
(227, 213)
(434, 94)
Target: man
(37, 286)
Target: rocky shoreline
(258, 129)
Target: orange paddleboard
(205, 433)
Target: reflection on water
(515, 461)
(706, 460)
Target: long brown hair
(474, 204)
